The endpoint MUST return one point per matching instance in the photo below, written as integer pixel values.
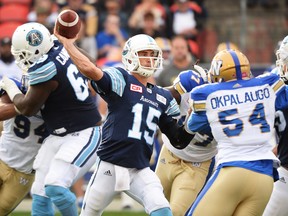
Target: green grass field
(114, 213)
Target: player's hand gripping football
(64, 40)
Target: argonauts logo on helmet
(34, 38)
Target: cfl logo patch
(23, 181)
(215, 67)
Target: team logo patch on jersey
(135, 88)
(34, 38)
(196, 164)
(23, 181)
(161, 99)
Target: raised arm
(83, 63)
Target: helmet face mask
(228, 65)
(282, 59)
(30, 42)
(132, 60)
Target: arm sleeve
(176, 134)
(102, 86)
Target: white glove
(10, 87)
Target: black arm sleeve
(177, 135)
(102, 86)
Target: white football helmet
(30, 41)
(130, 56)
(282, 59)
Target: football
(68, 23)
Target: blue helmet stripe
(228, 45)
(237, 64)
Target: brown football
(68, 23)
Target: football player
(135, 109)
(240, 112)
(277, 205)
(183, 173)
(19, 143)
(61, 93)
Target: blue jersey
(282, 132)
(70, 107)
(187, 80)
(134, 112)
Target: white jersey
(11, 70)
(20, 141)
(241, 115)
(201, 148)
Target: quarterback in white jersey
(19, 143)
(183, 173)
(240, 112)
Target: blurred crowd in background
(204, 24)
(187, 31)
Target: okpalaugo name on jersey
(234, 99)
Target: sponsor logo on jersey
(163, 160)
(161, 99)
(282, 179)
(60, 130)
(135, 88)
(108, 173)
(75, 134)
